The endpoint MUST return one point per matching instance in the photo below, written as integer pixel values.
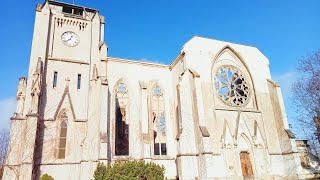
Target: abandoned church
(214, 112)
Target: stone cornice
(177, 59)
(236, 110)
(18, 118)
(67, 60)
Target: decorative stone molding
(226, 146)
(104, 80)
(15, 117)
(71, 22)
(179, 120)
(236, 109)
(236, 131)
(162, 158)
(49, 119)
(290, 133)
(80, 120)
(143, 85)
(188, 154)
(101, 43)
(194, 73)
(204, 131)
(94, 73)
(102, 19)
(68, 60)
(32, 115)
(64, 95)
(177, 59)
(39, 7)
(273, 83)
(210, 153)
(36, 87)
(21, 95)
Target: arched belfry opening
(121, 122)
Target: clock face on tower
(70, 39)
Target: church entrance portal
(246, 165)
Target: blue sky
(283, 30)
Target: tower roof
(58, 3)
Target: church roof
(197, 36)
(180, 55)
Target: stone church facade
(214, 112)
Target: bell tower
(67, 48)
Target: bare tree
(306, 95)
(4, 140)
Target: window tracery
(159, 121)
(121, 126)
(63, 135)
(231, 86)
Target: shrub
(129, 170)
(46, 177)
(1, 172)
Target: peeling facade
(214, 112)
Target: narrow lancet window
(55, 78)
(121, 125)
(63, 136)
(159, 121)
(79, 82)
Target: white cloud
(151, 61)
(285, 80)
(7, 108)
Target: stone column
(21, 96)
(90, 146)
(188, 151)
(104, 133)
(32, 150)
(30, 144)
(145, 121)
(15, 148)
(202, 132)
(29, 159)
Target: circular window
(231, 86)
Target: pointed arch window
(121, 126)
(63, 136)
(159, 121)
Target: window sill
(164, 157)
(121, 157)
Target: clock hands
(70, 39)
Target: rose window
(231, 86)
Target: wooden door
(246, 164)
